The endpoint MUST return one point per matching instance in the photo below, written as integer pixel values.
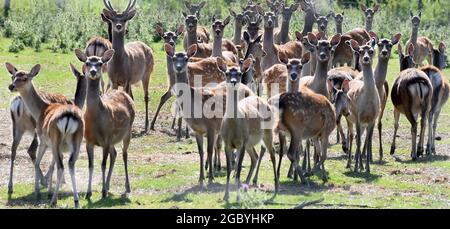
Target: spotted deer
(369, 14)
(423, 47)
(132, 62)
(441, 90)
(23, 122)
(411, 95)
(118, 113)
(58, 126)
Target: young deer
(423, 47)
(369, 14)
(441, 90)
(117, 111)
(202, 33)
(282, 36)
(23, 121)
(171, 39)
(59, 126)
(132, 62)
(411, 95)
(384, 55)
(243, 126)
(364, 104)
(339, 20)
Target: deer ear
(411, 14)
(302, 6)
(411, 50)
(312, 39)
(373, 35)
(180, 30)
(247, 37)
(345, 85)
(247, 65)
(258, 39)
(221, 64)
(11, 69)
(131, 14)
(335, 40)
(363, 7)
(187, 4)
(320, 35)
(202, 4)
(376, 7)
(306, 57)
(232, 13)
(108, 55)
(160, 31)
(192, 50)
(299, 36)
(107, 14)
(354, 45)
(343, 13)
(420, 13)
(170, 51)
(396, 38)
(227, 20)
(442, 47)
(331, 14)
(75, 72)
(283, 58)
(102, 15)
(184, 15)
(399, 50)
(80, 55)
(35, 70)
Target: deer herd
(262, 86)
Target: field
(164, 173)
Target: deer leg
(268, 143)
(261, 155)
(199, 140)
(106, 150)
(430, 133)
(50, 177)
(297, 169)
(324, 150)
(174, 119)
(112, 162)
(228, 155)
(358, 155)
(217, 148)
(73, 158)
(414, 140)
(350, 136)
(282, 139)
(145, 84)
(254, 161)
(211, 142)
(58, 157)
(37, 168)
(237, 180)
(423, 127)
(435, 122)
(380, 130)
(162, 101)
(126, 144)
(396, 126)
(17, 136)
(369, 134)
(90, 154)
(180, 124)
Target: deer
(322, 22)
(385, 47)
(441, 90)
(282, 35)
(307, 6)
(253, 25)
(239, 23)
(344, 54)
(339, 20)
(218, 31)
(59, 126)
(243, 126)
(201, 32)
(171, 39)
(132, 62)
(255, 49)
(369, 14)
(364, 105)
(24, 123)
(423, 47)
(118, 113)
(411, 95)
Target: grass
(164, 173)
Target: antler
(131, 4)
(108, 5)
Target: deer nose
(294, 76)
(366, 59)
(233, 81)
(11, 87)
(171, 43)
(93, 72)
(119, 27)
(323, 56)
(384, 53)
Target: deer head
(218, 27)
(385, 46)
(180, 59)
(170, 37)
(287, 11)
(21, 80)
(322, 21)
(415, 20)
(191, 22)
(440, 57)
(338, 18)
(119, 21)
(295, 66)
(324, 48)
(93, 64)
(234, 74)
(253, 25)
(406, 61)
(269, 20)
(239, 19)
(307, 7)
(369, 13)
(365, 52)
(194, 9)
(254, 47)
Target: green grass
(164, 173)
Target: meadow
(164, 173)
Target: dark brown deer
(423, 47)
(201, 32)
(58, 126)
(307, 6)
(118, 113)
(369, 14)
(282, 35)
(339, 20)
(411, 95)
(132, 62)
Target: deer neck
(170, 70)
(309, 23)
(118, 46)
(237, 33)
(368, 25)
(339, 28)
(181, 80)
(320, 76)
(81, 92)
(93, 95)
(381, 72)
(258, 67)
(232, 110)
(34, 102)
(192, 37)
(110, 32)
(268, 44)
(369, 81)
(284, 30)
(293, 86)
(414, 35)
(269, 47)
(217, 47)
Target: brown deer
(132, 62)
(255, 48)
(423, 47)
(202, 33)
(364, 104)
(218, 31)
(282, 35)
(411, 95)
(369, 14)
(171, 39)
(117, 111)
(244, 126)
(339, 20)
(253, 24)
(343, 53)
(23, 121)
(239, 23)
(59, 126)
(307, 6)
(441, 90)
(322, 22)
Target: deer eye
(370, 52)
